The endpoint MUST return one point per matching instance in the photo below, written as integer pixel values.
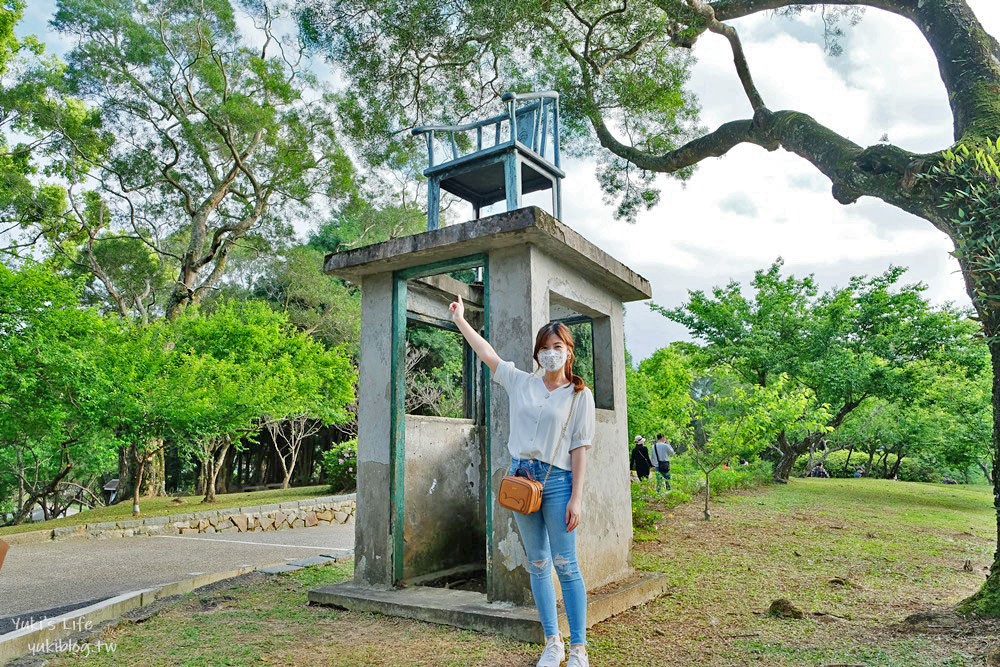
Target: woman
(552, 425)
(640, 458)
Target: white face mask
(552, 360)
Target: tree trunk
(20, 477)
(708, 492)
(226, 473)
(789, 452)
(895, 468)
(153, 477)
(142, 461)
(216, 458)
(201, 476)
(987, 472)
(850, 452)
(986, 602)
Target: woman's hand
(457, 309)
(574, 510)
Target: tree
(733, 418)
(659, 394)
(239, 366)
(52, 445)
(210, 143)
(318, 385)
(621, 67)
(848, 345)
(319, 305)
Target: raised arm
(479, 345)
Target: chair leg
(433, 203)
(512, 181)
(557, 198)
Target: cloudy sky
(740, 212)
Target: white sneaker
(578, 657)
(554, 653)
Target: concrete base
(469, 610)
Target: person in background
(640, 461)
(662, 451)
(819, 471)
(860, 472)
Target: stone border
(324, 510)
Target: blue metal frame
(536, 114)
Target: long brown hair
(566, 336)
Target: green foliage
(51, 384)
(643, 517)
(423, 62)
(76, 387)
(319, 305)
(434, 371)
(659, 394)
(910, 469)
(360, 223)
(874, 340)
(204, 133)
(732, 418)
(340, 466)
(970, 178)
(687, 478)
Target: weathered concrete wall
(443, 511)
(512, 319)
(605, 536)
(527, 288)
(372, 535)
(538, 269)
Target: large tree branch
(883, 171)
(968, 57)
(726, 10)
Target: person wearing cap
(640, 461)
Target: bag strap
(562, 434)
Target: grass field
(857, 556)
(166, 506)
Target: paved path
(39, 579)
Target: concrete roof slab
(530, 225)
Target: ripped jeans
(546, 542)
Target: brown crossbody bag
(523, 493)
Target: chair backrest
(533, 117)
(527, 123)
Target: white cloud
(885, 82)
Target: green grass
(900, 547)
(165, 506)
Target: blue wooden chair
(521, 155)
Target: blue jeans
(546, 542)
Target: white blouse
(537, 416)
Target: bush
(644, 518)
(340, 466)
(688, 478)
